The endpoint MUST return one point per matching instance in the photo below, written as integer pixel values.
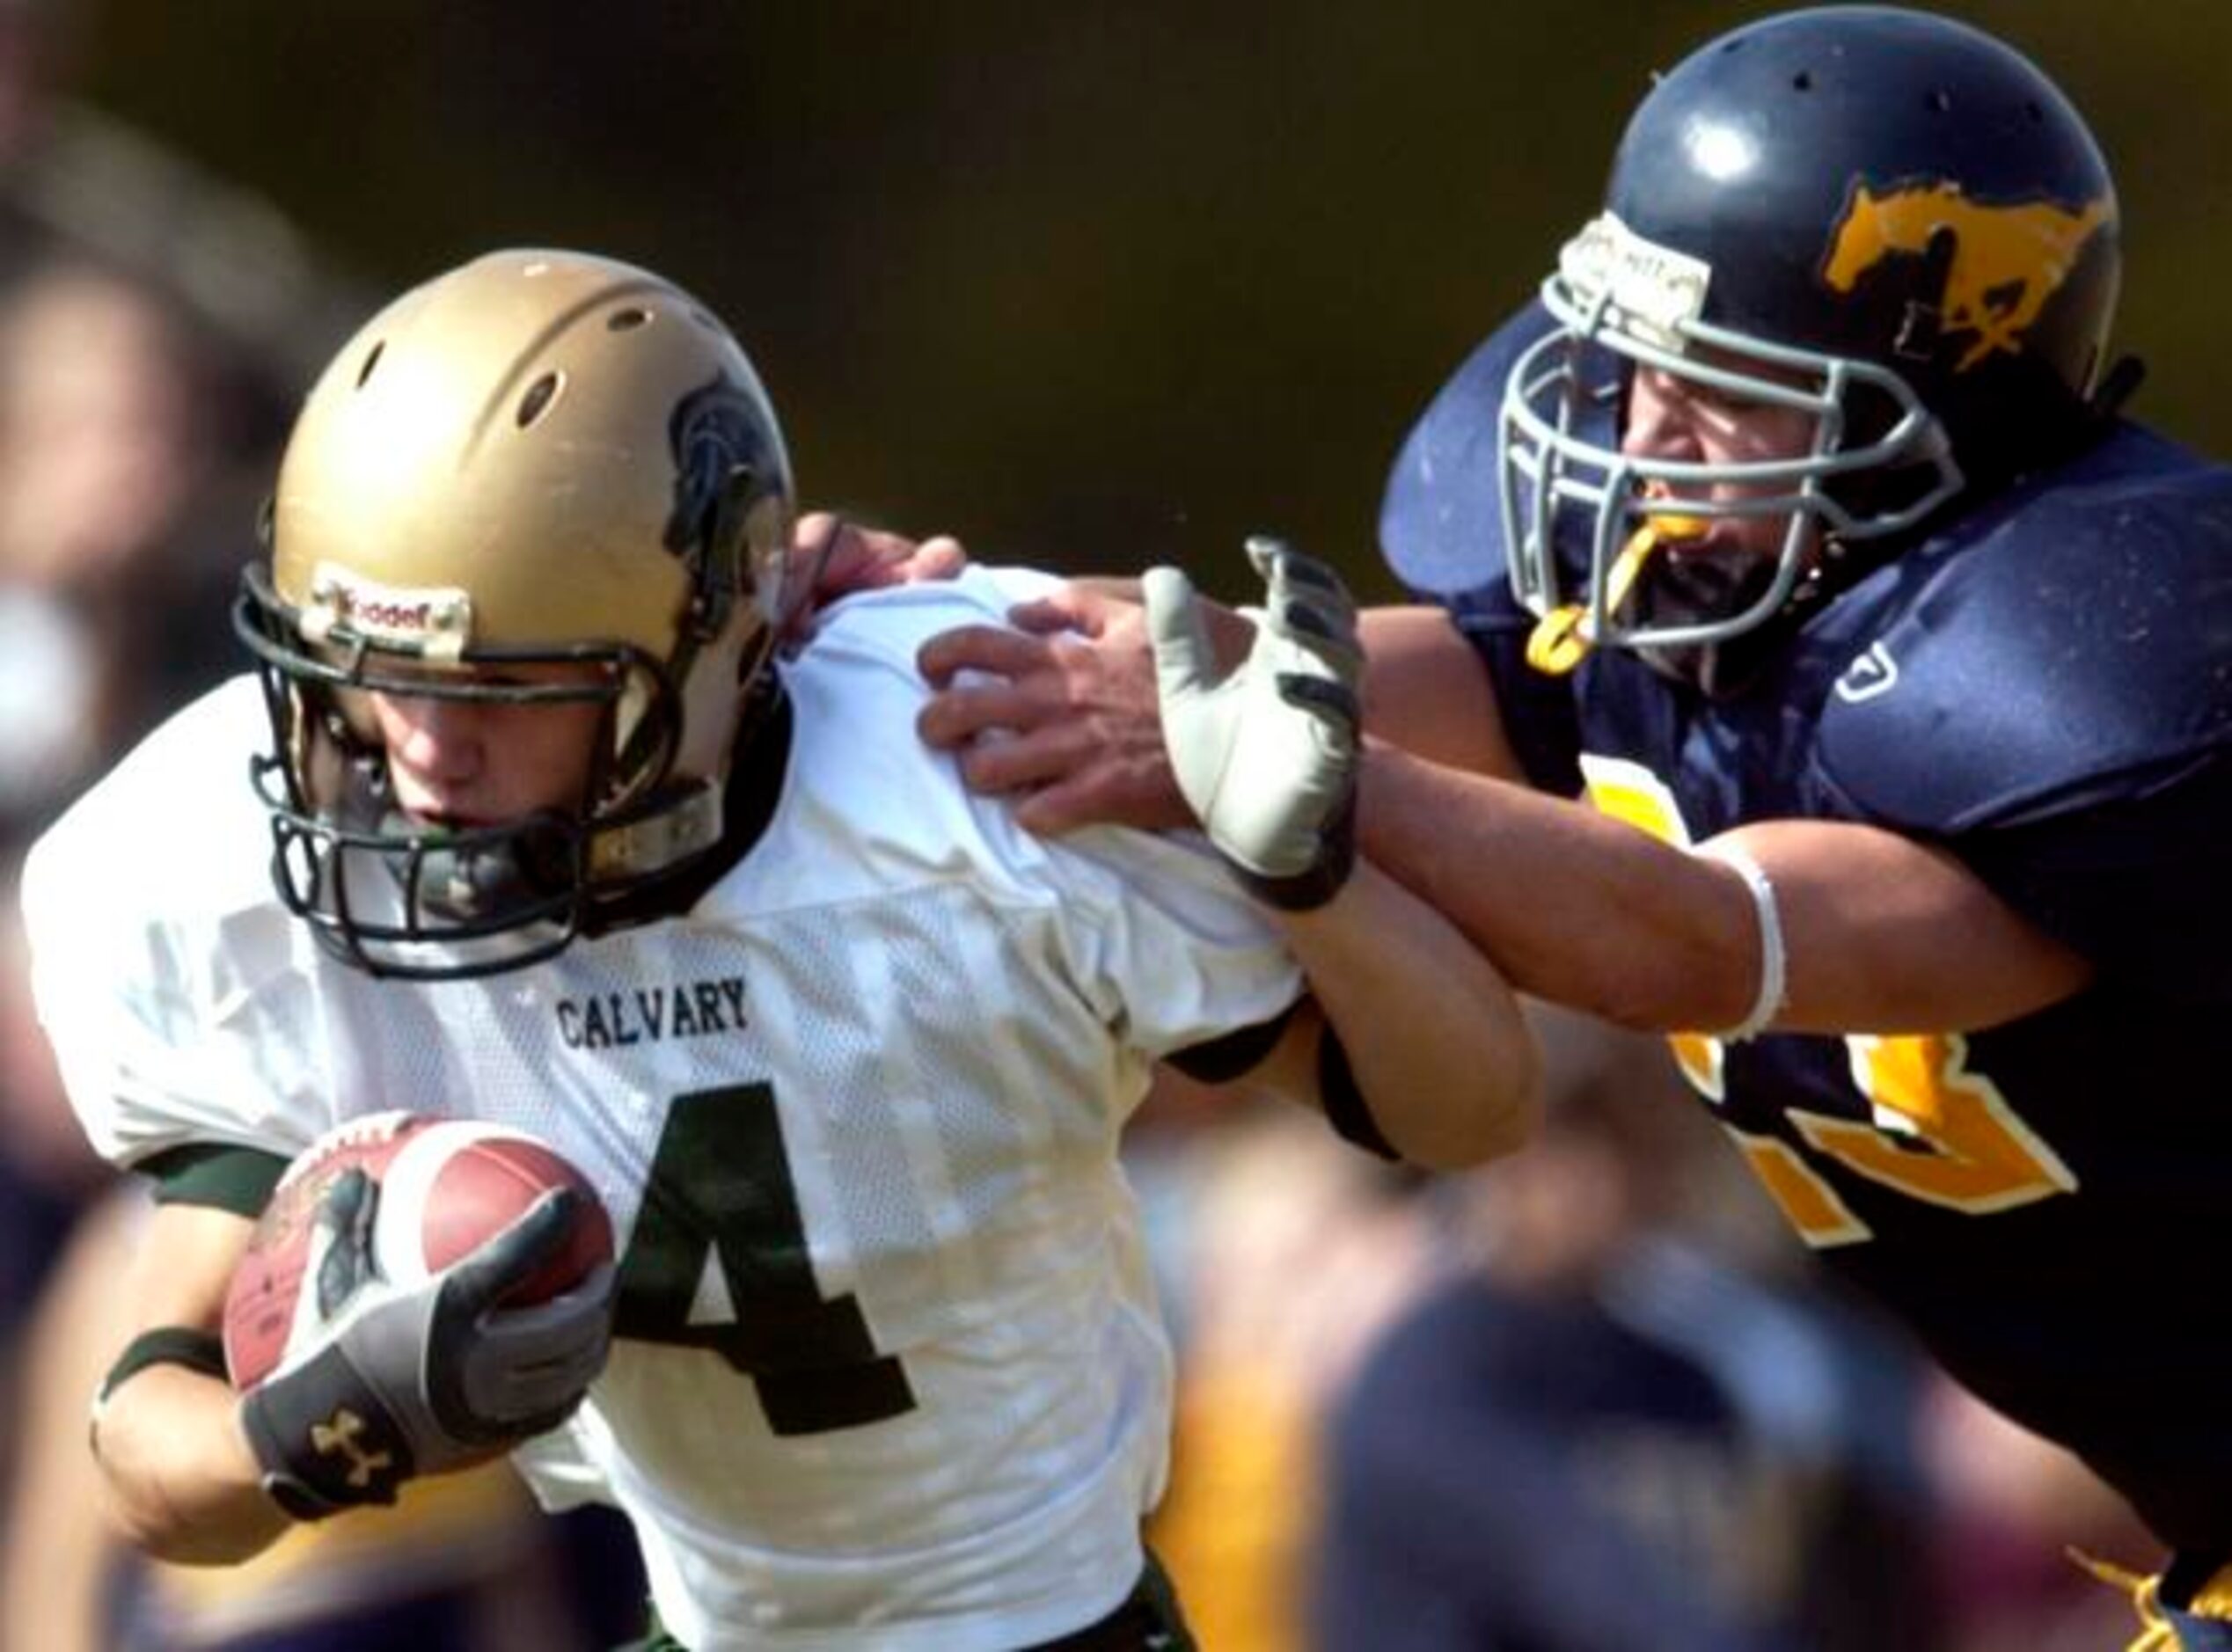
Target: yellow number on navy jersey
(1939, 1131)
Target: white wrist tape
(1773, 962)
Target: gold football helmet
(540, 458)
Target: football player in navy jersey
(544, 831)
(1814, 666)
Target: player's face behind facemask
(1882, 221)
(513, 612)
(1716, 542)
(463, 763)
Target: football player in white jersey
(543, 830)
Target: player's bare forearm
(1427, 692)
(179, 1480)
(1575, 907)
(1444, 1060)
(1879, 933)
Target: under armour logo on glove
(404, 1378)
(341, 1435)
(1267, 755)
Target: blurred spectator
(120, 464)
(1574, 1401)
(77, 183)
(110, 609)
(1603, 1429)
(1280, 1251)
(106, 449)
(45, 1165)
(53, 1576)
(156, 324)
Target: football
(446, 1185)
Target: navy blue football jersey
(2043, 688)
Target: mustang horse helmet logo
(2007, 261)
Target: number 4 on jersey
(722, 1196)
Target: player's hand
(829, 558)
(1267, 753)
(1060, 714)
(409, 1380)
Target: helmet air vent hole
(537, 399)
(1803, 81)
(1941, 101)
(2037, 116)
(364, 373)
(627, 320)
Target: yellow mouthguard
(1558, 642)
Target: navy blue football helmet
(1887, 219)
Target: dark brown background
(1091, 285)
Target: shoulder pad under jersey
(861, 801)
(892, 621)
(1441, 526)
(174, 830)
(2054, 649)
(154, 934)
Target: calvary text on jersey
(687, 1009)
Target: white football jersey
(889, 1373)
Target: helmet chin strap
(686, 821)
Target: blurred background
(1090, 287)
(1088, 284)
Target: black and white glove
(1267, 755)
(404, 1380)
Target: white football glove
(1267, 755)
